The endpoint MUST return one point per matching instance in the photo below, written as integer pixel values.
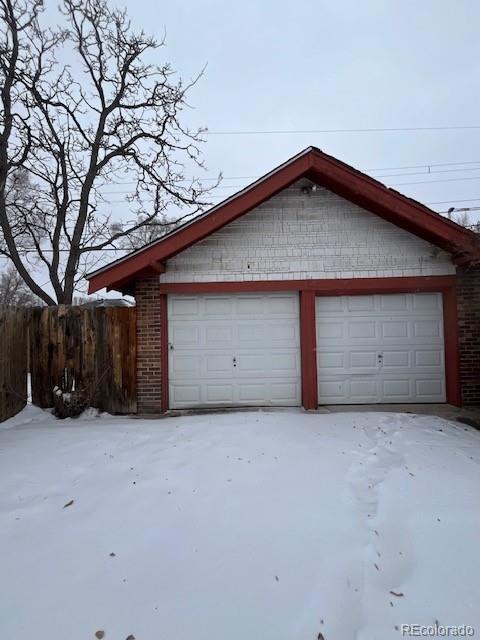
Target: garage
(314, 285)
(380, 348)
(238, 349)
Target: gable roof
(320, 168)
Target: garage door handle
(234, 361)
(170, 346)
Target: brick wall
(299, 234)
(468, 293)
(149, 380)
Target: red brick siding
(149, 374)
(469, 333)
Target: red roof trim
(321, 169)
(327, 286)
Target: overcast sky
(330, 64)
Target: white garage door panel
(285, 392)
(380, 348)
(187, 393)
(219, 392)
(234, 350)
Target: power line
(449, 201)
(391, 175)
(426, 173)
(426, 166)
(358, 130)
(459, 210)
(414, 166)
(393, 184)
(399, 184)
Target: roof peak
(324, 170)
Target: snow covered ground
(242, 526)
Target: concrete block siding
(296, 235)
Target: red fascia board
(204, 226)
(342, 286)
(390, 205)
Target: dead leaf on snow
(320, 636)
(394, 593)
(99, 634)
(69, 504)
(130, 637)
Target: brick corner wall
(149, 374)
(468, 296)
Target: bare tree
(110, 116)
(149, 232)
(20, 197)
(13, 290)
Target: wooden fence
(73, 348)
(13, 361)
(89, 349)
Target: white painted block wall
(295, 236)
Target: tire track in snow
(385, 549)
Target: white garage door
(380, 348)
(227, 350)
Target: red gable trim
(321, 169)
(391, 205)
(202, 227)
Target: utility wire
(425, 173)
(390, 175)
(415, 166)
(358, 130)
(399, 184)
(426, 166)
(449, 201)
(459, 210)
(393, 184)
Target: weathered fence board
(89, 349)
(13, 361)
